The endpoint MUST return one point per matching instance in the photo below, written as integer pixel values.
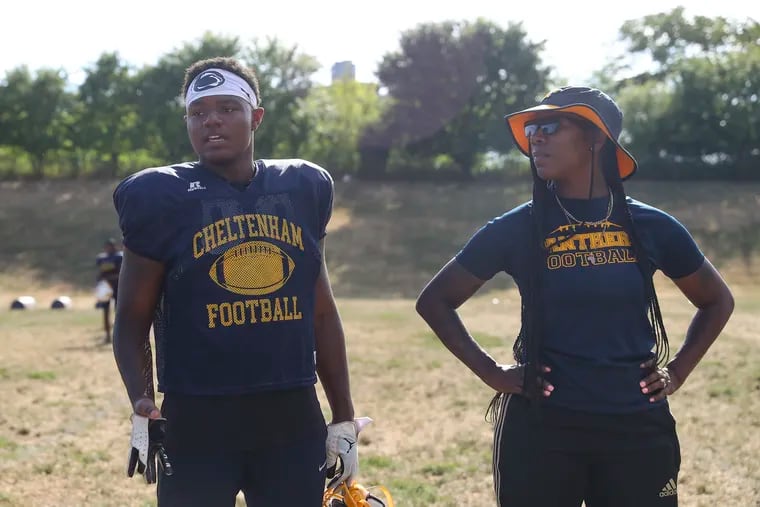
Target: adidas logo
(669, 489)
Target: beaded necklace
(604, 222)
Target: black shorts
(559, 458)
(269, 445)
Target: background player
(108, 264)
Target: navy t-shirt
(236, 313)
(596, 330)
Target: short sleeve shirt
(236, 313)
(596, 329)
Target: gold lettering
(565, 245)
(295, 234)
(208, 236)
(296, 314)
(568, 260)
(287, 312)
(597, 240)
(583, 258)
(213, 313)
(613, 239)
(221, 239)
(558, 243)
(277, 310)
(266, 310)
(273, 229)
(613, 256)
(582, 240)
(225, 314)
(284, 234)
(238, 313)
(553, 262)
(252, 304)
(197, 245)
(263, 226)
(253, 311)
(251, 221)
(231, 235)
(239, 219)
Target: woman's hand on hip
(659, 384)
(509, 379)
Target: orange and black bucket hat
(588, 103)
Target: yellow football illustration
(252, 268)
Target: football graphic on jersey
(252, 268)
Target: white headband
(219, 82)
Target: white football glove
(342, 442)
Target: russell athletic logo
(208, 79)
(195, 185)
(669, 489)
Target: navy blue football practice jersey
(596, 330)
(108, 264)
(236, 314)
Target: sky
(580, 35)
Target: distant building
(343, 70)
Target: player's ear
(257, 115)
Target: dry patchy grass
(64, 427)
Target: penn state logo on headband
(208, 79)
(220, 82)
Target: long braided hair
(527, 347)
(644, 263)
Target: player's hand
(147, 442)
(509, 379)
(659, 384)
(342, 444)
(148, 448)
(146, 407)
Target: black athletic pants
(268, 445)
(556, 457)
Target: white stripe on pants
(498, 427)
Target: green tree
(717, 103)
(646, 108)
(109, 116)
(668, 37)
(451, 84)
(285, 76)
(337, 115)
(695, 111)
(33, 113)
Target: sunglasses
(547, 129)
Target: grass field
(64, 414)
